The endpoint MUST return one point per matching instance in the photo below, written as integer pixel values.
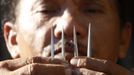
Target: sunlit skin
(35, 18)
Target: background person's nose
(67, 22)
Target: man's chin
(68, 56)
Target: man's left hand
(99, 65)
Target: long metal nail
(63, 48)
(52, 43)
(89, 41)
(75, 43)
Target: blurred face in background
(35, 18)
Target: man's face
(35, 18)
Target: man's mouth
(69, 51)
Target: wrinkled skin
(30, 36)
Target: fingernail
(74, 61)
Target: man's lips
(69, 50)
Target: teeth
(75, 43)
(89, 42)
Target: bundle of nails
(74, 42)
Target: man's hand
(34, 66)
(102, 66)
(46, 66)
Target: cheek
(41, 38)
(106, 47)
(106, 39)
(32, 44)
(44, 35)
(25, 46)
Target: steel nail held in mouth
(89, 41)
(75, 43)
(75, 46)
(52, 43)
(62, 38)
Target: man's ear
(125, 40)
(10, 38)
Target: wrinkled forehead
(62, 2)
(26, 5)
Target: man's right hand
(41, 66)
(34, 66)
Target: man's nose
(67, 21)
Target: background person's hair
(8, 9)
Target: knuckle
(104, 65)
(105, 62)
(100, 73)
(87, 61)
(33, 60)
(33, 68)
(4, 64)
(82, 62)
(84, 71)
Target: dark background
(127, 62)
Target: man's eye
(90, 10)
(47, 12)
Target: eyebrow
(86, 2)
(43, 3)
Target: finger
(89, 63)
(45, 60)
(42, 69)
(17, 63)
(100, 65)
(12, 64)
(84, 71)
